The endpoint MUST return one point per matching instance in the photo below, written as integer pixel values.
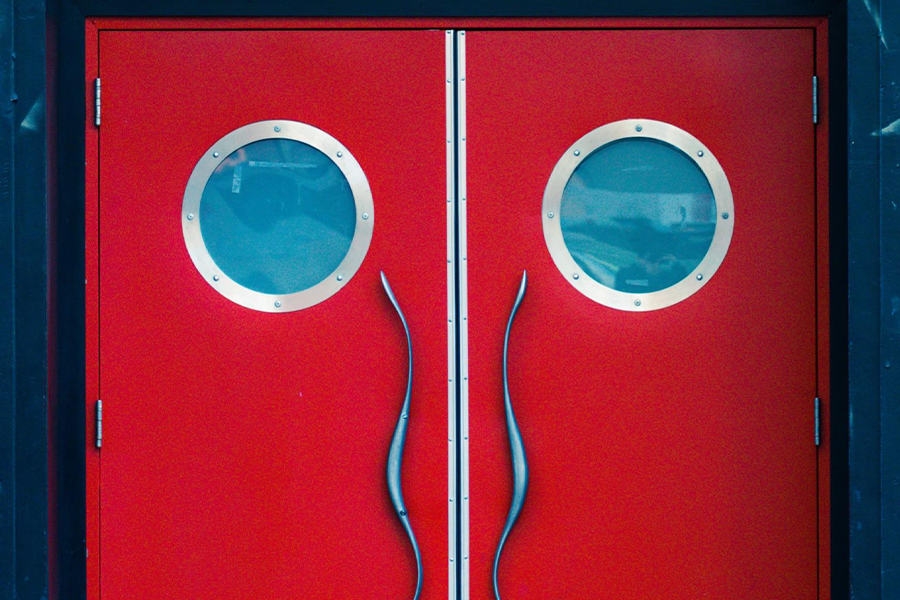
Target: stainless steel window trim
(277, 129)
(639, 129)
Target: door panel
(670, 452)
(245, 453)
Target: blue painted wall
(873, 217)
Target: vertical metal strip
(451, 316)
(463, 312)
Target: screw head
(725, 215)
(277, 129)
(215, 277)
(699, 276)
(550, 215)
(340, 277)
(365, 216)
(190, 217)
(637, 302)
(577, 153)
(700, 153)
(278, 304)
(575, 275)
(340, 154)
(215, 155)
(638, 128)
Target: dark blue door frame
(25, 183)
(873, 297)
(42, 257)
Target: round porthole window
(638, 215)
(277, 216)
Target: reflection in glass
(277, 216)
(638, 215)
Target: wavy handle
(516, 447)
(395, 454)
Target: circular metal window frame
(638, 129)
(288, 130)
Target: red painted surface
(91, 316)
(660, 420)
(244, 453)
(200, 23)
(671, 452)
(823, 270)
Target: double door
(324, 372)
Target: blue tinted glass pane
(277, 216)
(638, 215)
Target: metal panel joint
(815, 99)
(97, 102)
(99, 419)
(818, 422)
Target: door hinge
(815, 98)
(97, 102)
(818, 425)
(99, 420)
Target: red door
(669, 443)
(251, 187)
(247, 423)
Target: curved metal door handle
(516, 447)
(395, 454)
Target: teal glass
(638, 215)
(277, 216)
